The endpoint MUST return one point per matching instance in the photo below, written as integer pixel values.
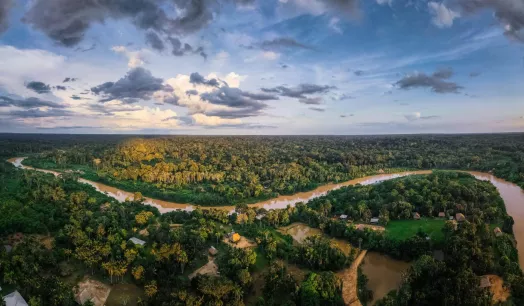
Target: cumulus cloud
(342, 8)
(241, 104)
(67, 21)
(138, 84)
(435, 82)
(442, 16)
(38, 87)
(299, 91)
(443, 73)
(180, 49)
(5, 6)
(66, 80)
(135, 58)
(197, 78)
(510, 14)
(201, 119)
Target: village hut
(213, 251)
(485, 282)
(234, 237)
(137, 241)
(460, 217)
(14, 299)
(374, 220)
(343, 217)
(416, 216)
(497, 231)
(442, 214)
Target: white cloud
(382, 2)
(334, 25)
(201, 119)
(135, 58)
(442, 16)
(263, 55)
(413, 116)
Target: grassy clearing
(405, 229)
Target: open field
(405, 229)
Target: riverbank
(511, 193)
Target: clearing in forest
(210, 268)
(405, 229)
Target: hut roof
(497, 231)
(460, 217)
(374, 220)
(441, 214)
(416, 215)
(14, 299)
(213, 251)
(235, 237)
(485, 281)
(137, 241)
(343, 216)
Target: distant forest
(228, 170)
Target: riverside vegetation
(90, 232)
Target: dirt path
(209, 268)
(349, 281)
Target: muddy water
(276, 203)
(384, 273)
(300, 231)
(512, 195)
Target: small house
(485, 282)
(374, 220)
(450, 217)
(497, 232)
(213, 251)
(360, 227)
(442, 214)
(460, 217)
(416, 216)
(137, 241)
(15, 299)
(343, 217)
(259, 217)
(233, 237)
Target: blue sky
(262, 67)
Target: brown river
(383, 272)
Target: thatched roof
(485, 281)
(213, 251)
(460, 217)
(497, 231)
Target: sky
(261, 67)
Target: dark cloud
(38, 87)
(284, 66)
(242, 104)
(249, 126)
(75, 97)
(191, 92)
(311, 101)
(422, 80)
(443, 73)
(344, 116)
(73, 127)
(358, 72)
(317, 109)
(180, 49)
(429, 117)
(153, 40)
(59, 87)
(300, 91)
(109, 110)
(138, 84)
(36, 113)
(66, 80)
(28, 103)
(280, 43)
(197, 78)
(67, 21)
(86, 49)
(5, 6)
(342, 7)
(510, 14)
(474, 74)
(342, 97)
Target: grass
(405, 229)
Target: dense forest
(231, 170)
(62, 231)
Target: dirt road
(349, 281)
